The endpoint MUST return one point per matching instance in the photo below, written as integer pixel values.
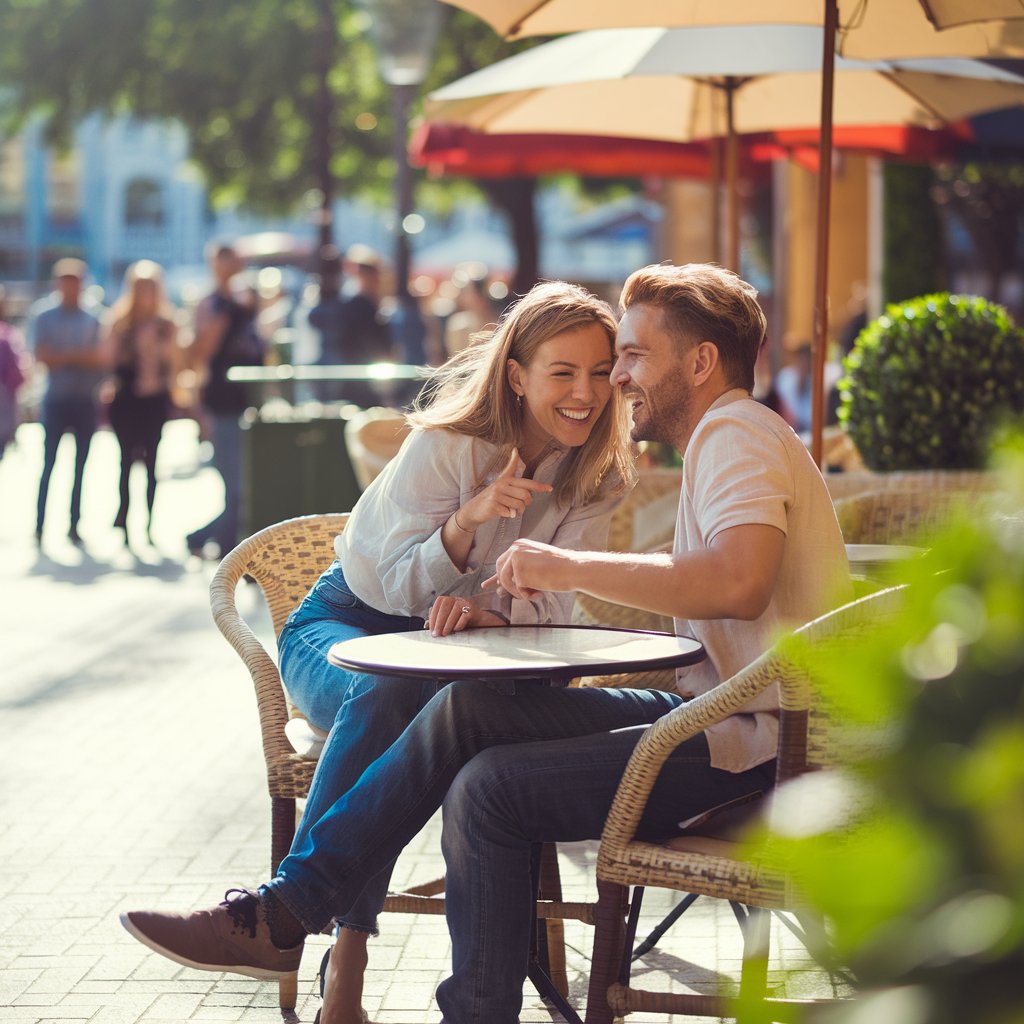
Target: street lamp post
(404, 32)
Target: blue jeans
(364, 713)
(77, 415)
(571, 746)
(227, 460)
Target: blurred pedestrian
(66, 340)
(14, 370)
(142, 344)
(225, 336)
(474, 311)
(352, 329)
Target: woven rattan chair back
(644, 521)
(900, 517)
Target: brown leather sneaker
(233, 936)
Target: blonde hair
(124, 313)
(471, 394)
(705, 302)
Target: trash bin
(295, 462)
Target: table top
(556, 652)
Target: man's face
(655, 377)
(70, 289)
(225, 265)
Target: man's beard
(666, 411)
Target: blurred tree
(274, 103)
(987, 199)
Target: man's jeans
(579, 739)
(75, 414)
(364, 713)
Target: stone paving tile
(131, 775)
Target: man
(757, 550)
(225, 336)
(66, 340)
(350, 326)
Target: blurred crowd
(78, 364)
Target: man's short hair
(705, 302)
(70, 267)
(216, 250)
(363, 257)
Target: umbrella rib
(515, 29)
(890, 76)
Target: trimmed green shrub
(928, 382)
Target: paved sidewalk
(131, 776)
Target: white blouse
(391, 550)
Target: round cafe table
(554, 653)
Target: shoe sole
(260, 973)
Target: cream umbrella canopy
(869, 29)
(866, 28)
(680, 85)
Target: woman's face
(145, 296)
(565, 388)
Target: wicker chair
(808, 741)
(285, 560)
(901, 517)
(645, 520)
(373, 437)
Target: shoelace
(241, 906)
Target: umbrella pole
(731, 191)
(715, 152)
(820, 345)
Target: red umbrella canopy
(453, 149)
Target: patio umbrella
(679, 85)
(869, 29)
(1002, 34)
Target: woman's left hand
(454, 614)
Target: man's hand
(528, 567)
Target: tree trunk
(325, 57)
(514, 197)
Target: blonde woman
(520, 435)
(142, 347)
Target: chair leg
(282, 832)
(755, 924)
(551, 940)
(609, 936)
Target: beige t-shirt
(745, 465)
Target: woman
(142, 344)
(519, 435)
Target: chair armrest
(270, 699)
(665, 735)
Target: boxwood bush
(927, 382)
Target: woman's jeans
(524, 763)
(364, 713)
